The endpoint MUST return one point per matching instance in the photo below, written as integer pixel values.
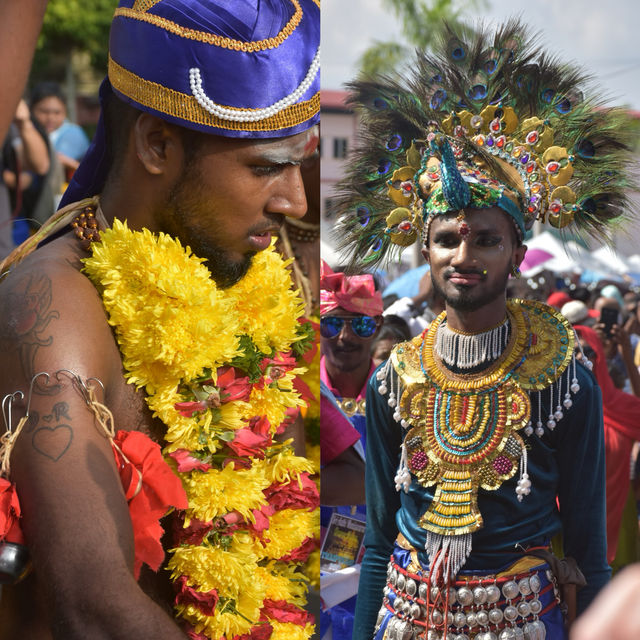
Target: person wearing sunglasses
(350, 319)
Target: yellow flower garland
(177, 332)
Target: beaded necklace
(464, 431)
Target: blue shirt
(567, 463)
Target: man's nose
(290, 199)
(463, 254)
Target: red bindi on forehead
(463, 228)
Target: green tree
(73, 45)
(422, 23)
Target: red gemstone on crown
(405, 226)
(532, 137)
(552, 167)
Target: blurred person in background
(24, 164)
(69, 140)
(394, 330)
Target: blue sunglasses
(362, 326)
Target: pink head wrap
(351, 293)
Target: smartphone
(608, 317)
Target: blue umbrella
(406, 285)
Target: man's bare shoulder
(51, 317)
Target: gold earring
(515, 271)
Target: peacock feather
(486, 115)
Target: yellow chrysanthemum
(312, 569)
(273, 403)
(219, 627)
(287, 631)
(216, 492)
(170, 319)
(267, 307)
(288, 529)
(283, 582)
(171, 324)
(285, 466)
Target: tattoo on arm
(26, 308)
(52, 441)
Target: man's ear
(518, 254)
(157, 144)
(425, 253)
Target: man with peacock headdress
(484, 434)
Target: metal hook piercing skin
(42, 373)
(83, 384)
(7, 403)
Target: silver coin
(459, 619)
(524, 586)
(540, 628)
(482, 618)
(453, 595)
(434, 593)
(422, 591)
(436, 617)
(461, 636)
(391, 629)
(493, 593)
(534, 583)
(465, 596)
(519, 633)
(406, 607)
(471, 619)
(410, 587)
(400, 582)
(510, 613)
(381, 614)
(415, 611)
(523, 608)
(535, 606)
(507, 634)
(510, 590)
(495, 616)
(490, 635)
(393, 577)
(479, 595)
(397, 603)
(405, 631)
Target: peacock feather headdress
(486, 120)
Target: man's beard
(179, 218)
(224, 271)
(468, 299)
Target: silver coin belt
(493, 609)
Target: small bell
(14, 562)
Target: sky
(601, 35)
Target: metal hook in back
(7, 404)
